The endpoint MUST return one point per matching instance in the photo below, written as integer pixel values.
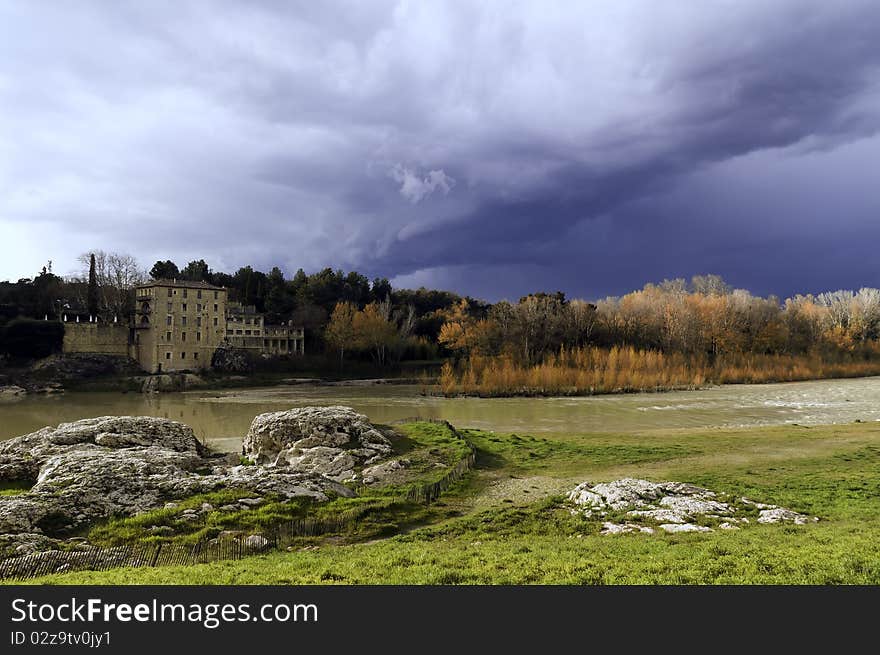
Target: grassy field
(507, 523)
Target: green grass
(378, 511)
(13, 488)
(475, 535)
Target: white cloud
(415, 188)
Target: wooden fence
(227, 547)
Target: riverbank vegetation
(666, 336)
(671, 335)
(508, 522)
(587, 371)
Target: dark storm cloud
(494, 147)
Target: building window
(215, 322)
(167, 355)
(184, 306)
(169, 307)
(199, 293)
(167, 336)
(169, 292)
(184, 295)
(168, 320)
(195, 355)
(183, 355)
(199, 321)
(183, 336)
(257, 332)
(247, 333)
(238, 331)
(229, 332)
(198, 336)
(183, 320)
(215, 307)
(215, 295)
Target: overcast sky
(492, 148)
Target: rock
(330, 441)
(335, 463)
(382, 472)
(82, 366)
(623, 528)
(12, 392)
(229, 508)
(620, 494)
(673, 506)
(256, 542)
(250, 502)
(658, 515)
(781, 515)
(160, 529)
(207, 507)
(684, 527)
(108, 431)
(758, 505)
(125, 465)
(23, 543)
(171, 382)
(227, 359)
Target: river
(222, 417)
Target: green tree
(196, 271)
(166, 270)
(93, 298)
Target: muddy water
(222, 417)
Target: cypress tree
(92, 299)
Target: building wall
(283, 340)
(265, 339)
(176, 328)
(96, 338)
(183, 328)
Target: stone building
(247, 329)
(177, 325)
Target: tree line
(391, 324)
(347, 315)
(705, 316)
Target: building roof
(187, 284)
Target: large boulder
(22, 458)
(332, 441)
(123, 465)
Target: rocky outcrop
(122, 465)
(12, 392)
(386, 470)
(331, 441)
(672, 507)
(83, 366)
(171, 382)
(227, 359)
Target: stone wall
(103, 338)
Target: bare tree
(116, 274)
